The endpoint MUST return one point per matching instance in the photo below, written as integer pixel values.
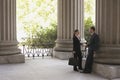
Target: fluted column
(9, 52)
(108, 28)
(107, 59)
(70, 17)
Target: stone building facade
(70, 17)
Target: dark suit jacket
(76, 44)
(94, 42)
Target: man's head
(92, 29)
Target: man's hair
(93, 28)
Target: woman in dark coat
(77, 50)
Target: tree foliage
(37, 19)
(89, 19)
(88, 24)
(89, 8)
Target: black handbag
(74, 62)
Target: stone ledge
(107, 71)
(17, 58)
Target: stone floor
(43, 69)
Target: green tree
(89, 7)
(88, 24)
(89, 19)
(37, 19)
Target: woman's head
(76, 32)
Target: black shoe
(76, 70)
(85, 71)
(80, 68)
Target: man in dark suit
(93, 46)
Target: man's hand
(85, 45)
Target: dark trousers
(89, 60)
(78, 56)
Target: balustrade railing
(36, 51)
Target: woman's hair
(75, 32)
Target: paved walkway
(43, 69)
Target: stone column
(70, 17)
(9, 52)
(108, 28)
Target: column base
(62, 55)
(108, 55)
(17, 58)
(63, 49)
(107, 71)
